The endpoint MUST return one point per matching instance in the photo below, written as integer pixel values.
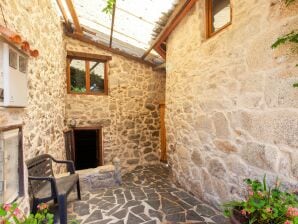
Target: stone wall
(129, 114)
(231, 108)
(43, 118)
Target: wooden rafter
(160, 67)
(74, 16)
(112, 26)
(104, 47)
(88, 56)
(63, 12)
(177, 16)
(161, 52)
(88, 31)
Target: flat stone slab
(97, 170)
(99, 177)
(147, 195)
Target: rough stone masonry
(129, 114)
(232, 112)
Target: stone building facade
(43, 118)
(129, 113)
(232, 112)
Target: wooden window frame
(209, 19)
(87, 58)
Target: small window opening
(219, 15)
(87, 75)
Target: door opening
(84, 147)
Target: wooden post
(163, 144)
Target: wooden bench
(45, 187)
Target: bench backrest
(39, 166)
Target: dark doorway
(84, 147)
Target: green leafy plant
(11, 214)
(109, 6)
(265, 205)
(290, 37)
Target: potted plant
(263, 205)
(10, 214)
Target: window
(11, 167)
(219, 15)
(87, 73)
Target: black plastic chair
(45, 187)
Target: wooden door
(163, 147)
(69, 144)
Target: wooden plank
(88, 31)
(64, 14)
(171, 25)
(74, 16)
(163, 147)
(21, 164)
(160, 67)
(69, 144)
(88, 56)
(87, 76)
(106, 79)
(10, 127)
(103, 47)
(68, 61)
(208, 17)
(161, 52)
(87, 128)
(112, 26)
(101, 154)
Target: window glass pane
(22, 64)
(78, 76)
(221, 14)
(97, 71)
(13, 59)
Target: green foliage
(288, 2)
(290, 37)
(264, 205)
(11, 214)
(109, 7)
(78, 81)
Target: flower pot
(238, 218)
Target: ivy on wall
(289, 2)
(291, 37)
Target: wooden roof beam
(160, 67)
(63, 12)
(74, 16)
(174, 20)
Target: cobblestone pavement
(147, 195)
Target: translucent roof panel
(138, 19)
(134, 23)
(90, 15)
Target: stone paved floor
(147, 195)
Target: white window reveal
(11, 186)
